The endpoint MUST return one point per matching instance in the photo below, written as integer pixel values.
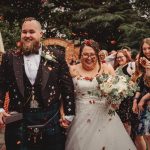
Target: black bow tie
(27, 53)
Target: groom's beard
(33, 48)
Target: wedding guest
(35, 77)
(92, 127)
(141, 104)
(128, 49)
(112, 52)
(102, 55)
(111, 57)
(123, 62)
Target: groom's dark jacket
(53, 82)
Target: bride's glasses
(87, 55)
(120, 57)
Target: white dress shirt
(31, 64)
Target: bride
(93, 128)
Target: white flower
(116, 87)
(48, 56)
(122, 78)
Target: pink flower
(88, 42)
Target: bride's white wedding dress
(93, 128)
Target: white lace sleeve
(131, 68)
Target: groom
(38, 80)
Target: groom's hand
(2, 115)
(64, 123)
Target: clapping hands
(145, 62)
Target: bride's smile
(88, 58)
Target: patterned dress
(143, 127)
(125, 108)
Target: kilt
(38, 130)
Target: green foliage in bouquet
(116, 88)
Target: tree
(10, 33)
(11, 14)
(143, 7)
(112, 23)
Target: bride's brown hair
(139, 68)
(91, 43)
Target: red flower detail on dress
(92, 101)
(89, 120)
(88, 78)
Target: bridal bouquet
(116, 88)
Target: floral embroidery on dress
(88, 78)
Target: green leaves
(126, 22)
(10, 34)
